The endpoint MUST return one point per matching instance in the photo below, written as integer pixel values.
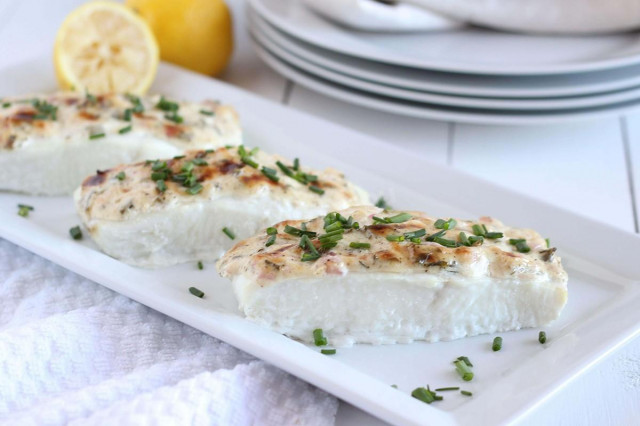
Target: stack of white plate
(466, 75)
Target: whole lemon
(195, 34)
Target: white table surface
(591, 168)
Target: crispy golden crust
(72, 116)
(220, 173)
(495, 259)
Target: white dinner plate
(542, 86)
(544, 105)
(466, 50)
(432, 111)
(604, 293)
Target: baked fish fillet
(160, 213)
(61, 138)
(401, 278)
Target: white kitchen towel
(74, 352)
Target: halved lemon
(104, 47)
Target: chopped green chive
(91, 98)
(75, 233)
(158, 165)
(521, 245)
(447, 389)
(316, 189)
(205, 112)
(196, 292)
(415, 240)
(463, 369)
(296, 164)
(161, 185)
(438, 234)
(270, 241)
(166, 105)
(271, 231)
(497, 344)
(462, 238)
(475, 240)
(6, 104)
(465, 359)
(415, 234)
(174, 117)
(542, 337)
(249, 162)
(270, 173)
(309, 257)
(137, 103)
(124, 130)
(318, 337)
(97, 135)
(546, 240)
(298, 232)
(466, 393)
(328, 351)
(395, 238)
(121, 176)
(357, 245)
(199, 162)
(478, 230)
(445, 242)
(229, 233)
(399, 218)
(200, 265)
(493, 235)
(394, 386)
(126, 116)
(23, 210)
(424, 395)
(445, 224)
(381, 203)
(155, 176)
(45, 110)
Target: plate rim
(290, 44)
(282, 24)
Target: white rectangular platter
(604, 286)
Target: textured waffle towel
(74, 352)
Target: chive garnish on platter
(318, 337)
(76, 233)
(205, 112)
(521, 245)
(23, 210)
(357, 245)
(162, 187)
(270, 173)
(121, 176)
(395, 238)
(196, 292)
(445, 224)
(97, 135)
(466, 393)
(542, 337)
(463, 369)
(497, 344)
(229, 233)
(125, 130)
(447, 389)
(381, 203)
(200, 265)
(328, 351)
(399, 218)
(316, 189)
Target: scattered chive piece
(309, 257)
(497, 344)
(415, 234)
(97, 135)
(462, 237)
(463, 369)
(127, 114)
(466, 393)
(357, 245)
(196, 292)
(546, 240)
(195, 189)
(478, 230)
(318, 337)
(542, 337)
(465, 359)
(445, 242)
(395, 238)
(447, 389)
(381, 203)
(229, 233)
(23, 210)
(328, 351)
(121, 176)
(137, 103)
(298, 232)
(296, 164)
(75, 233)
(179, 157)
(174, 117)
(166, 105)
(199, 162)
(445, 224)
(249, 162)
(158, 165)
(423, 395)
(438, 234)
(399, 218)
(521, 245)
(494, 235)
(394, 386)
(270, 173)
(200, 265)
(161, 185)
(205, 112)
(271, 231)
(316, 189)
(158, 176)
(270, 241)
(415, 240)
(476, 240)
(6, 105)
(91, 98)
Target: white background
(591, 168)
